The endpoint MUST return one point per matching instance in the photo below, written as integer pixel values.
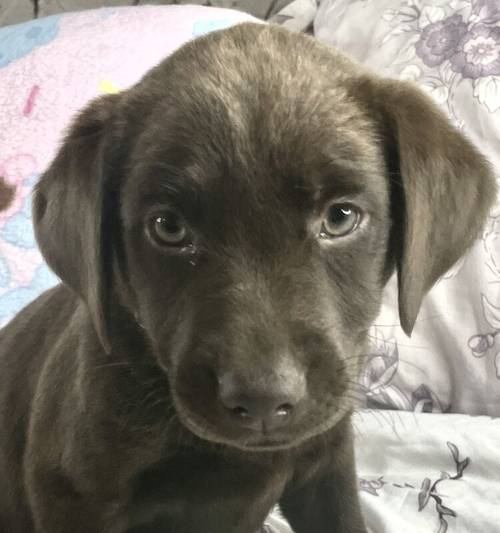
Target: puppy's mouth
(267, 444)
(252, 425)
(253, 443)
(257, 441)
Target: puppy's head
(246, 203)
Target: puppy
(223, 232)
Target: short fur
(109, 383)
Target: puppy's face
(255, 216)
(254, 225)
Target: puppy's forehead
(254, 101)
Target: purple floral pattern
(378, 384)
(473, 50)
(484, 344)
(371, 486)
(478, 53)
(457, 42)
(439, 40)
(486, 10)
(428, 489)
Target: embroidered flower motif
(487, 92)
(480, 344)
(372, 486)
(424, 400)
(439, 40)
(487, 11)
(478, 53)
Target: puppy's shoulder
(28, 334)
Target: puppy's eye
(168, 229)
(340, 220)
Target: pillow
(49, 69)
(451, 49)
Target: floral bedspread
(426, 473)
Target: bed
(426, 428)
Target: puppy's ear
(73, 208)
(442, 190)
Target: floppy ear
(442, 190)
(73, 208)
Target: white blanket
(426, 473)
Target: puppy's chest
(226, 495)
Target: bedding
(426, 473)
(297, 15)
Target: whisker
(398, 325)
(111, 365)
(398, 343)
(401, 360)
(388, 415)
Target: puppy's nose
(265, 407)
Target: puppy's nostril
(241, 412)
(284, 410)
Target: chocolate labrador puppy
(223, 232)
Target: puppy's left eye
(340, 220)
(168, 229)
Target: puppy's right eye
(168, 229)
(340, 220)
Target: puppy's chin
(251, 441)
